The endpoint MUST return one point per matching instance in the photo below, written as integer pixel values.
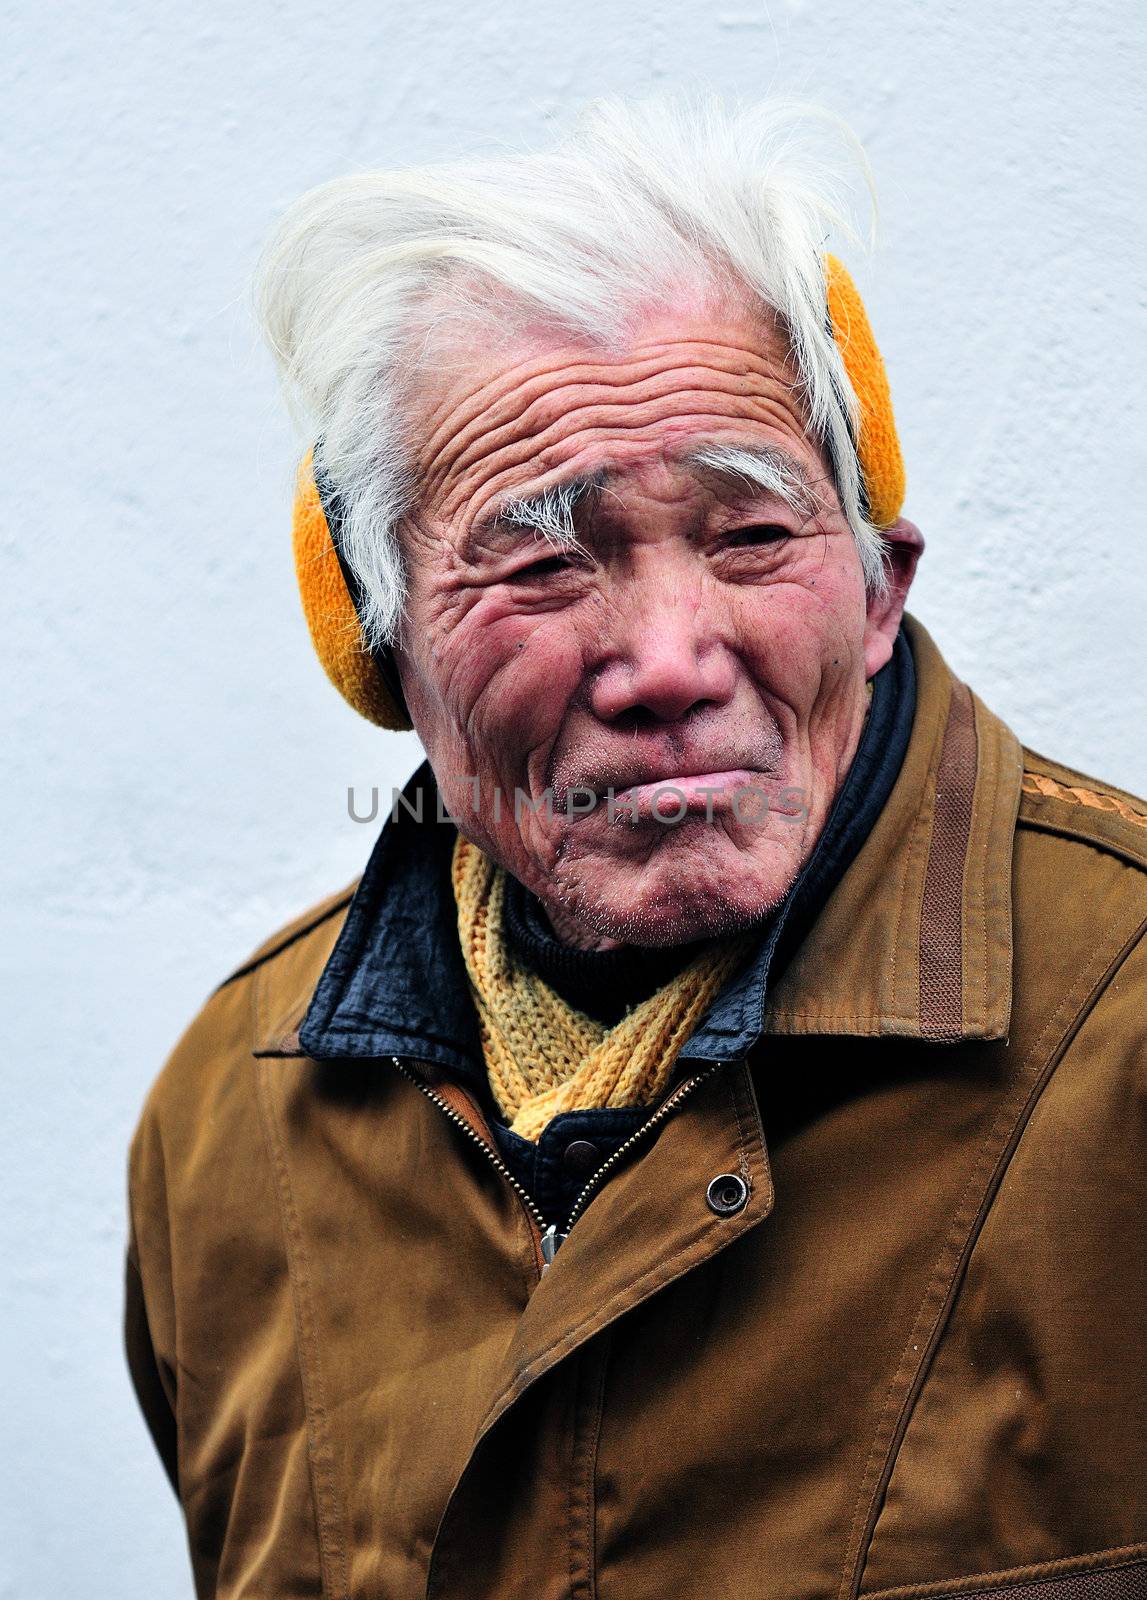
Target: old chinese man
(702, 1155)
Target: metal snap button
(727, 1194)
(581, 1157)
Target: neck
(573, 933)
(602, 982)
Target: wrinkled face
(646, 715)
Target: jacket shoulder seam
(1088, 793)
(290, 935)
(1095, 814)
(1046, 766)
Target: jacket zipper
(532, 1211)
(682, 1091)
(550, 1237)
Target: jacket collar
(914, 940)
(396, 983)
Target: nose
(663, 656)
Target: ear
(904, 545)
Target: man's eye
(540, 569)
(758, 533)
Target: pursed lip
(637, 773)
(677, 794)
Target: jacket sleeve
(147, 1293)
(143, 1365)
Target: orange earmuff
(877, 446)
(368, 681)
(368, 684)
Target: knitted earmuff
(369, 682)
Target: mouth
(674, 796)
(672, 779)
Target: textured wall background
(177, 766)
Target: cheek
(506, 681)
(802, 639)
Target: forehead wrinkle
(536, 370)
(520, 404)
(607, 420)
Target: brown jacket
(912, 1364)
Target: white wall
(177, 766)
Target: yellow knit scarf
(543, 1056)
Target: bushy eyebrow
(549, 514)
(551, 511)
(760, 467)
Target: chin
(684, 890)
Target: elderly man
(700, 1156)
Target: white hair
(640, 201)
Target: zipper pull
(551, 1239)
